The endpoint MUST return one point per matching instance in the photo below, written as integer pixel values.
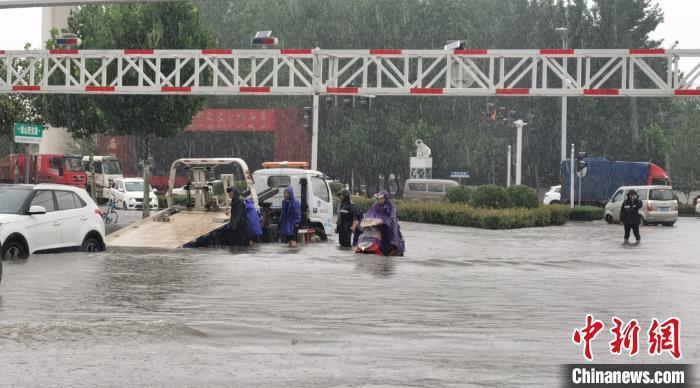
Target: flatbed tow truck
(181, 226)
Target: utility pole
(314, 135)
(519, 151)
(571, 179)
(509, 163)
(563, 31)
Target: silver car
(660, 205)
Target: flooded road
(466, 307)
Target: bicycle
(111, 216)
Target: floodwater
(465, 308)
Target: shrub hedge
(686, 210)
(586, 213)
(490, 196)
(465, 215)
(560, 214)
(522, 196)
(460, 194)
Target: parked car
(427, 189)
(553, 196)
(182, 190)
(660, 205)
(45, 217)
(127, 193)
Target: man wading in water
(629, 214)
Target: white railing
(470, 72)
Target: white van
(427, 189)
(659, 204)
(310, 188)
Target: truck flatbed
(168, 230)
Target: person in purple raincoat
(290, 218)
(392, 239)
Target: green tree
(170, 25)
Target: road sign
(459, 174)
(28, 133)
(582, 172)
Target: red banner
(234, 120)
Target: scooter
(371, 238)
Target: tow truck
(311, 189)
(194, 224)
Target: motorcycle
(370, 241)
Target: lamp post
(508, 164)
(519, 151)
(563, 31)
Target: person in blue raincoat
(392, 240)
(254, 227)
(291, 216)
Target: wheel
(555, 202)
(608, 219)
(91, 244)
(645, 222)
(112, 217)
(0, 271)
(14, 250)
(320, 233)
(124, 205)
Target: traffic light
(307, 117)
(491, 112)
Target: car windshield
(661, 195)
(134, 186)
(12, 199)
(111, 167)
(74, 164)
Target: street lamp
(564, 32)
(519, 124)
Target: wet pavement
(465, 307)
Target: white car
(127, 193)
(183, 190)
(553, 196)
(697, 205)
(46, 217)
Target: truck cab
(44, 168)
(310, 188)
(60, 169)
(106, 169)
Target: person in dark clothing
(238, 225)
(290, 217)
(629, 214)
(348, 217)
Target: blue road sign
(459, 174)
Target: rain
(430, 134)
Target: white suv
(46, 217)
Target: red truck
(45, 168)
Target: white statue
(422, 150)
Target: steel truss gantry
(465, 72)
